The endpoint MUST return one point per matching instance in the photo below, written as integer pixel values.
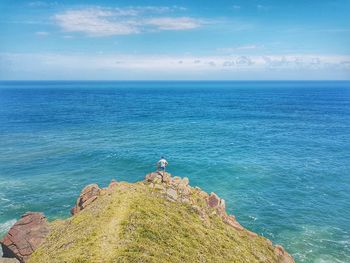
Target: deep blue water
(277, 152)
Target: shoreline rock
(87, 196)
(30, 231)
(25, 236)
(179, 190)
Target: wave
(4, 227)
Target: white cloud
(93, 22)
(42, 33)
(240, 48)
(35, 4)
(99, 21)
(113, 66)
(174, 23)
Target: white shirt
(162, 163)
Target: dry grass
(134, 224)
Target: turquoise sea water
(277, 152)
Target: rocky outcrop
(283, 256)
(178, 190)
(30, 231)
(158, 177)
(25, 236)
(87, 196)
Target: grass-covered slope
(134, 223)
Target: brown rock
(154, 178)
(213, 200)
(150, 177)
(184, 191)
(252, 234)
(203, 194)
(231, 220)
(283, 256)
(159, 187)
(171, 194)
(185, 181)
(176, 181)
(113, 184)
(25, 236)
(166, 177)
(222, 204)
(73, 210)
(87, 196)
(158, 177)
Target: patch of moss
(134, 224)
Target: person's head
(162, 157)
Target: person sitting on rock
(161, 164)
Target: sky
(175, 40)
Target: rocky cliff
(161, 219)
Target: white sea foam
(328, 259)
(4, 227)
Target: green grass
(135, 224)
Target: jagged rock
(166, 177)
(183, 186)
(112, 184)
(185, 181)
(176, 180)
(216, 202)
(180, 183)
(151, 176)
(252, 234)
(159, 187)
(222, 204)
(213, 200)
(87, 196)
(282, 255)
(184, 191)
(201, 193)
(25, 236)
(158, 177)
(185, 200)
(231, 220)
(171, 194)
(178, 189)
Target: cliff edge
(161, 219)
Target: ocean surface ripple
(277, 152)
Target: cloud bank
(98, 21)
(114, 66)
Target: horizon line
(156, 80)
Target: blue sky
(179, 40)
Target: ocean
(277, 152)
